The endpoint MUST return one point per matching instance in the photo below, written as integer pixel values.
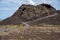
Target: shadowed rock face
(30, 12)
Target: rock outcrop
(27, 13)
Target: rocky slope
(27, 13)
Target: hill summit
(42, 13)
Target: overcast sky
(8, 7)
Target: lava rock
(27, 13)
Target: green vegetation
(21, 26)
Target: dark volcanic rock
(30, 12)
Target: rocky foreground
(32, 33)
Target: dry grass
(19, 32)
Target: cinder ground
(30, 33)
